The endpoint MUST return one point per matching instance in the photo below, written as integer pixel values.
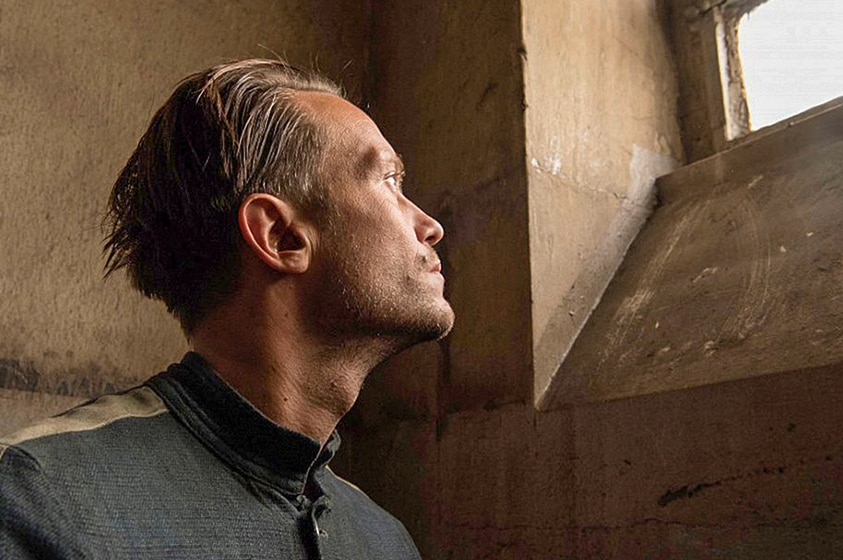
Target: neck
(296, 382)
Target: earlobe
(274, 232)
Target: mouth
(431, 263)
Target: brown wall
(748, 469)
(601, 124)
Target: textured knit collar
(236, 431)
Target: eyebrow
(376, 158)
(389, 158)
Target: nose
(428, 230)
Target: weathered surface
(601, 125)
(707, 459)
(749, 469)
(80, 82)
(738, 274)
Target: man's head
(261, 132)
(225, 133)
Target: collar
(236, 431)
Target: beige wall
(601, 125)
(80, 82)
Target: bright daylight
(792, 57)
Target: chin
(437, 322)
(399, 319)
(446, 323)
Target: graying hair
(225, 133)
(274, 144)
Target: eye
(395, 181)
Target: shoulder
(60, 474)
(135, 403)
(34, 522)
(347, 491)
(55, 441)
(378, 521)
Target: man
(267, 213)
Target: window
(746, 64)
(791, 55)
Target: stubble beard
(394, 310)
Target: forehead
(354, 140)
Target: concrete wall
(742, 470)
(551, 122)
(722, 446)
(601, 125)
(737, 274)
(549, 125)
(80, 81)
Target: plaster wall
(601, 125)
(80, 81)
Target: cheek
(389, 231)
(380, 234)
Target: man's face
(377, 272)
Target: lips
(431, 262)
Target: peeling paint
(551, 164)
(645, 167)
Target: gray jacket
(182, 467)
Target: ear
(276, 234)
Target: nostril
(432, 232)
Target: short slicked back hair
(225, 133)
